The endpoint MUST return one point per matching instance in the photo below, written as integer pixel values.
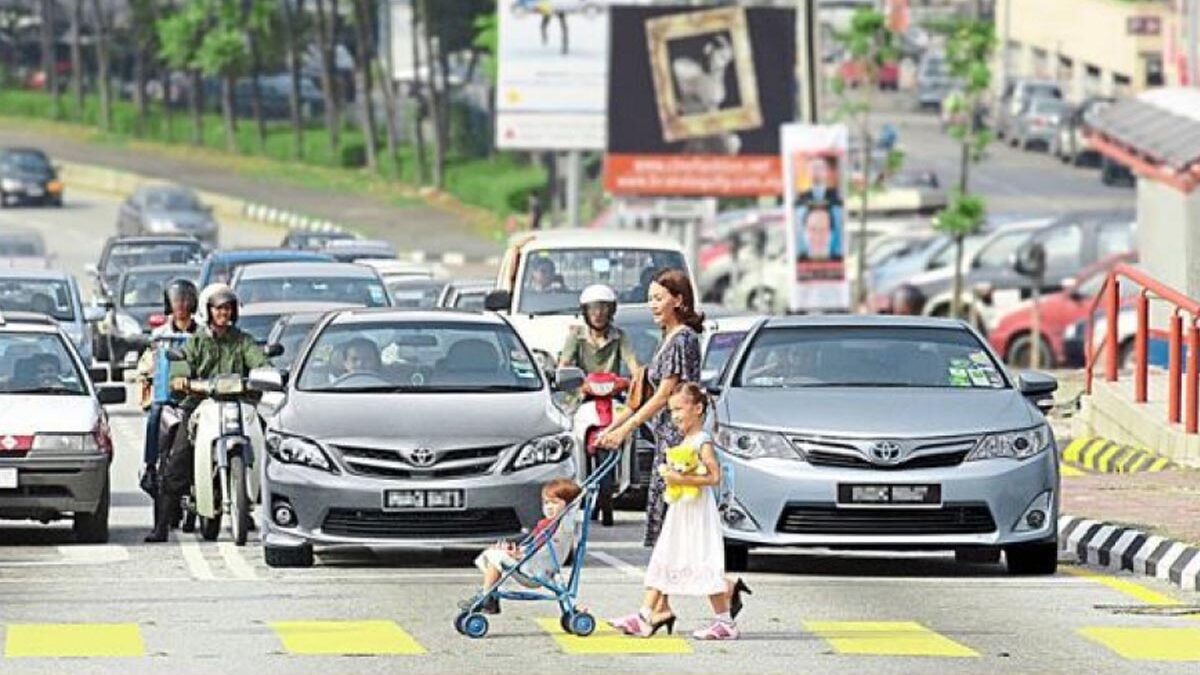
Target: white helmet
(597, 294)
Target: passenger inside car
(40, 371)
(466, 362)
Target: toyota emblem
(422, 457)
(885, 452)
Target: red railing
(1151, 289)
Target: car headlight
(751, 444)
(65, 444)
(11, 184)
(127, 325)
(296, 450)
(1013, 445)
(544, 450)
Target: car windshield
(258, 325)
(174, 200)
(553, 279)
(18, 246)
(51, 297)
(32, 162)
(124, 256)
(1043, 91)
(144, 289)
(470, 301)
(350, 290)
(998, 253)
(37, 363)
(721, 347)
(291, 337)
(415, 296)
(430, 357)
(868, 357)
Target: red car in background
(852, 74)
(1012, 337)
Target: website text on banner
(814, 164)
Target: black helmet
(180, 288)
(221, 295)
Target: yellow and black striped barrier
(1105, 456)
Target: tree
(387, 83)
(224, 53)
(487, 41)
(870, 44)
(969, 48)
(49, 58)
(104, 82)
(362, 69)
(180, 35)
(77, 56)
(291, 37)
(326, 46)
(143, 14)
(419, 97)
(256, 24)
(435, 97)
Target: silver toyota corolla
(408, 428)
(885, 432)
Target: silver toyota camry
(410, 428)
(889, 433)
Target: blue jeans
(150, 452)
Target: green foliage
(487, 40)
(963, 216)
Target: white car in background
(394, 270)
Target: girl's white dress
(689, 558)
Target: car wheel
(737, 557)
(1032, 559)
(3, 200)
(288, 556)
(1021, 350)
(92, 528)
(977, 556)
(1125, 356)
(717, 292)
(58, 202)
(240, 504)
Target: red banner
(693, 175)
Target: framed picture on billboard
(814, 168)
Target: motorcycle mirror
(266, 379)
(568, 379)
(272, 350)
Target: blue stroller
(472, 623)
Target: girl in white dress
(689, 557)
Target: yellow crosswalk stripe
(345, 638)
(1070, 471)
(1125, 586)
(1148, 644)
(63, 640)
(607, 640)
(886, 638)
(1073, 450)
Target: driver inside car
(360, 356)
(220, 348)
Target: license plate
(889, 494)
(8, 479)
(424, 500)
(34, 191)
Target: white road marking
(94, 555)
(235, 562)
(618, 564)
(194, 557)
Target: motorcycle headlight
(1013, 445)
(127, 325)
(544, 450)
(752, 444)
(296, 450)
(65, 444)
(231, 419)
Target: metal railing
(1110, 347)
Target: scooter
(594, 415)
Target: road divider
(1115, 547)
(1105, 456)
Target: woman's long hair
(678, 284)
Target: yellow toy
(683, 459)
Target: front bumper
(50, 487)
(346, 509)
(34, 191)
(793, 503)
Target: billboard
(552, 74)
(814, 171)
(696, 98)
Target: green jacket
(235, 352)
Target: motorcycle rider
(180, 300)
(219, 349)
(599, 347)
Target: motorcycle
(595, 413)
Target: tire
(717, 293)
(92, 528)
(1021, 349)
(737, 557)
(3, 200)
(977, 556)
(239, 516)
(462, 618)
(1032, 559)
(288, 556)
(583, 624)
(475, 626)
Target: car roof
(592, 238)
(266, 254)
(21, 149)
(471, 284)
(268, 308)
(34, 273)
(863, 321)
(418, 316)
(176, 267)
(269, 270)
(737, 323)
(153, 239)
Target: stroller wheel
(475, 626)
(564, 622)
(459, 622)
(583, 624)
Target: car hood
(850, 412)
(385, 420)
(25, 415)
(142, 314)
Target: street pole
(1005, 66)
(1193, 40)
(573, 187)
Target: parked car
(220, 266)
(391, 270)
(259, 319)
(167, 209)
(742, 237)
(1127, 321)
(367, 458)
(310, 282)
(313, 240)
(350, 250)
(466, 294)
(1113, 172)
(27, 176)
(820, 454)
(1014, 99)
(934, 80)
(1037, 123)
(1069, 144)
(57, 448)
(55, 294)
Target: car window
(1062, 246)
(124, 256)
(32, 162)
(51, 297)
(144, 289)
(351, 290)
(470, 302)
(720, 348)
(553, 279)
(291, 337)
(409, 296)
(868, 357)
(1043, 91)
(1114, 238)
(37, 363)
(998, 252)
(172, 201)
(431, 357)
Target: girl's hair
(561, 488)
(694, 394)
(678, 284)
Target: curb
(1105, 456)
(1114, 547)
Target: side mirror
(498, 300)
(113, 394)
(1038, 388)
(94, 313)
(98, 375)
(711, 381)
(272, 350)
(104, 303)
(266, 379)
(568, 379)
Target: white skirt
(689, 557)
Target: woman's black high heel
(735, 601)
(668, 623)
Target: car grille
(421, 524)
(925, 453)
(966, 518)
(389, 463)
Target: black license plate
(868, 494)
(424, 500)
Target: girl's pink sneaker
(718, 630)
(632, 624)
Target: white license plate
(431, 500)
(35, 191)
(8, 479)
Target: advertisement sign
(814, 169)
(552, 74)
(696, 98)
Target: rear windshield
(37, 364)
(51, 297)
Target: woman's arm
(713, 477)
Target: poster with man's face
(813, 164)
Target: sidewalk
(415, 225)
(1165, 503)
